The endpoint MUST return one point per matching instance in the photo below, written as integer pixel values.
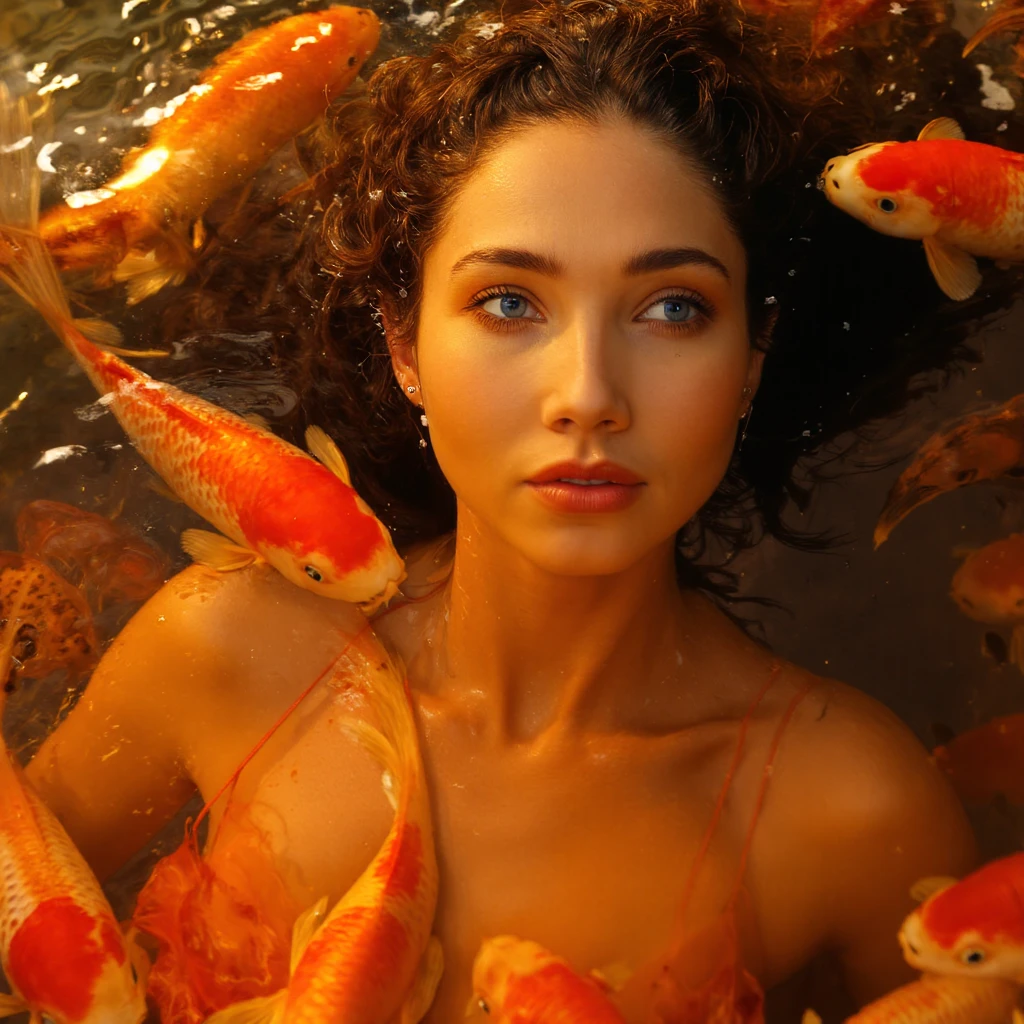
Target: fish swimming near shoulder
(273, 501)
(259, 94)
(109, 560)
(983, 446)
(961, 199)
(940, 1000)
(373, 959)
(972, 929)
(985, 762)
(516, 981)
(61, 948)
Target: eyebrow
(642, 263)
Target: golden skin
(578, 711)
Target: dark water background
(882, 621)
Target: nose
(587, 379)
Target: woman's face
(583, 319)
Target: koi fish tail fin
(1005, 21)
(263, 1010)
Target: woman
(569, 231)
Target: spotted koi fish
(260, 93)
(516, 981)
(61, 949)
(961, 199)
(269, 499)
(372, 959)
(983, 446)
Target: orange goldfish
(939, 1000)
(989, 587)
(984, 762)
(55, 628)
(519, 982)
(985, 445)
(109, 560)
(373, 959)
(973, 928)
(961, 199)
(272, 500)
(258, 95)
(61, 949)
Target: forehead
(588, 194)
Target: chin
(584, 552)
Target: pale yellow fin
(941, 128)
(956, 272)
(1017, 647)
(383, 752)
(305, 928)
(424, 986)
(109, 338)
(324, 449)
(257, 420)
(216, 551)
(146, 275)
(810, 1017)
(10, 1005)
(612, 976)
(265, 1010)
(924, 888)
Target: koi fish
(961, 199)
(973, 928)
(940, 1000)
(109, 560)
(55, 628)
(273, 501)
(989, 587)
(372, 959)
(259, 94)
(516, 981)
(982, 446)
(61, 949)
(984, 762)
(1009, 19)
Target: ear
(403, 362)
(758, 350)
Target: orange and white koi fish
(61, 949)
(982, 446)
(989, 587)
(940, 1000)
(516, 981)
(373, 959)
(961, 199)
(972, 928)
(985, 762)
(259, 94)
(272, 500)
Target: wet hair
(839, 308)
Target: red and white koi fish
(972, 928)
(982, 446)
(259, 94)
(373, 959)
(961, 199)
(940, 1000)
(516, 981)
(61, 948)
(272, 500)
(987, 761)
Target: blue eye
(511, 306)
(675, 310)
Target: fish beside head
(989, 585)
(898, 211)
(498, 962)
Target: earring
(423, 420)
(746, 426)
(411, 389)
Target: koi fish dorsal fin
(424, 986)
(956, 272)
(612, 977)
(941, 128)
(924, 888)
(215, 551)
(305, 928)
(326, 451)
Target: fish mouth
(378, 601)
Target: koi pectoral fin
(323, 448)
(265, 1010)
(424, 987)
(215, 551)
(10, 1005)
(956, 272)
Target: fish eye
(314, 574)
(482, 1003)
(965, 476)
(888, 205)
(973, 956)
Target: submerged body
(961, 199)
(260, 93)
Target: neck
(547, 653)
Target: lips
(580, 487)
